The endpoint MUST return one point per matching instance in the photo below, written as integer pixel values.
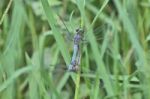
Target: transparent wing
(98, 31)
(64, 28)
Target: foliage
(34, 51)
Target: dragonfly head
(80, 31)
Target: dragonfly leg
(73, 66)
(73, 63)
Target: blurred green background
(35, 49)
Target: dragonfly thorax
(78, 36)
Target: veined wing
(64, 27)
(98, 32)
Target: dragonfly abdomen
(75, 62)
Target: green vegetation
(34, 51)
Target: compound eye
(77, 30)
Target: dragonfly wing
(97, 32)
(69, 36)
(66, 30)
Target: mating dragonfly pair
(76, 57)
(75, 61)
(78, 38)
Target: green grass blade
(58, 37)
(15, 76)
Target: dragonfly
(77, 39)
(75, 61)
